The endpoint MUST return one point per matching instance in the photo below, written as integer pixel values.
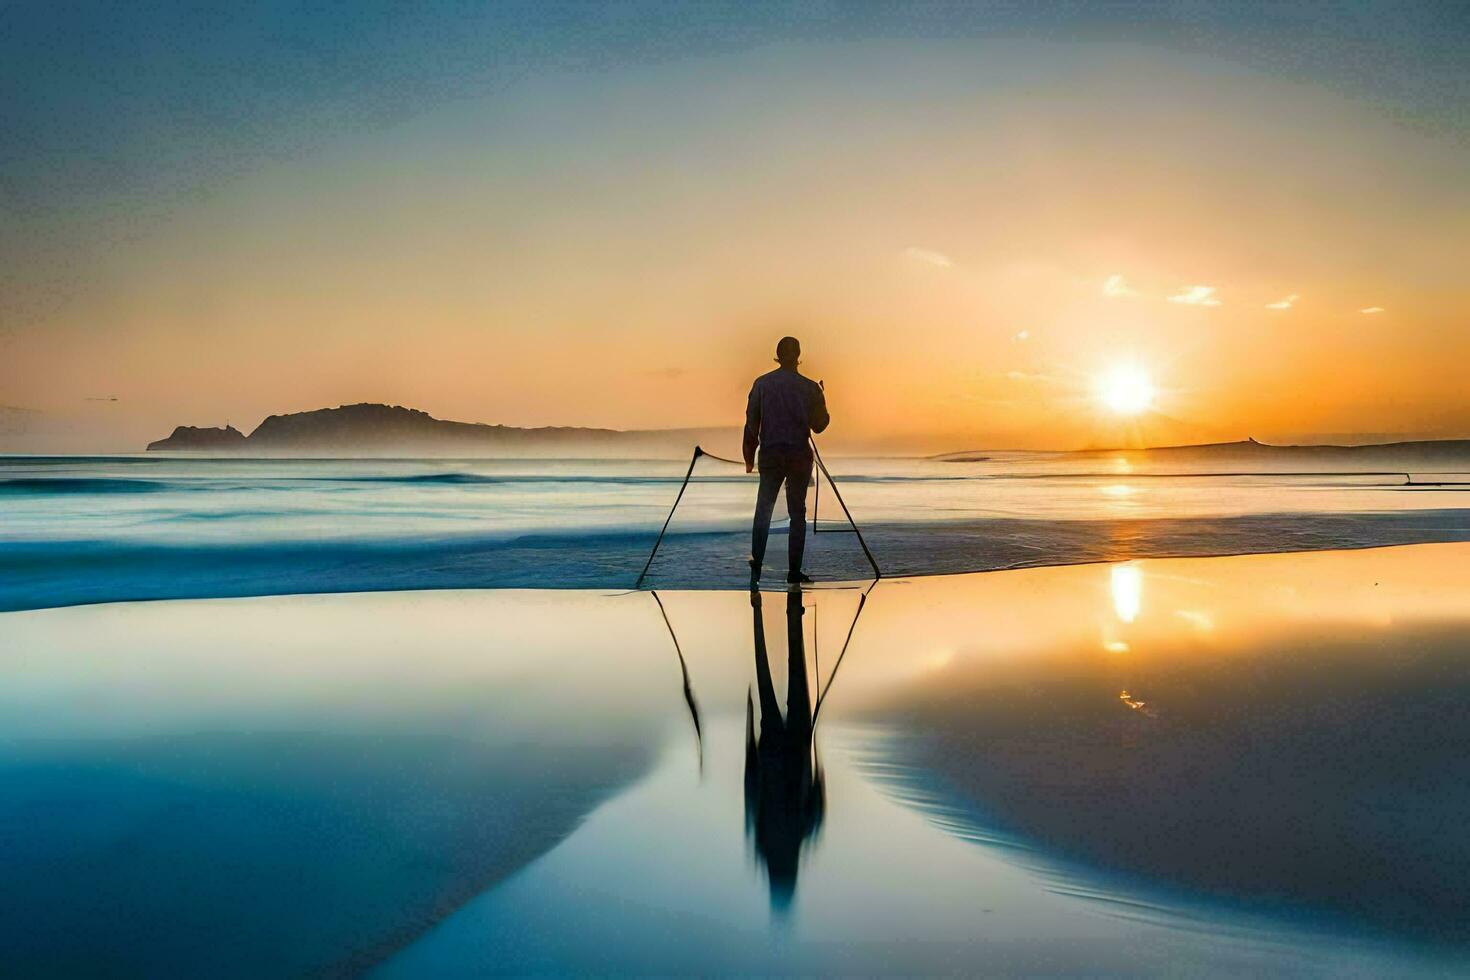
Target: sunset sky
(972, 215)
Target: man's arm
(818, 413)
(752, 426)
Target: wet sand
(1193, 765)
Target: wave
(63, 484)
(37, 486)
(480, 479)
(477, 479)
(43, 486)
(852, 478)
(41, 574)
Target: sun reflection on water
(1127, 587)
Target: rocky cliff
(188, 438)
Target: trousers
(793, 467)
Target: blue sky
(105, 100)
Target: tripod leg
(682, 487)
(877, 573)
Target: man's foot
(798, 578)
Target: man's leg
(765, 503)
(798, 690)
(798, 478)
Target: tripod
(822, 466)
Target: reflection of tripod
(785, 789)
(693, 704)
(816, 455)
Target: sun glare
(1127, 587)
(1126, 390)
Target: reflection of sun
(1127, 589)
(1126, 390)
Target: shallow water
(97, 529)
(1223, 765)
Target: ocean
(497, 757)
(89, 529)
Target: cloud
(1116, 285)
(1029, 378)
(1284, 304)
(1371, 309)
(1196, 296)
(929, 257)
(1022, 335)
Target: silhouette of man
(784, 409)
(785, 791)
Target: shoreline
(52, 574)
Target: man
(784, 410)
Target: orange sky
(965, 236)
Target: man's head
(788, 352)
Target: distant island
(197, 439)
(1395, 454)
(381, 430)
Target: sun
(1126, 390)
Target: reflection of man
(785, 794)
(783, 411)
